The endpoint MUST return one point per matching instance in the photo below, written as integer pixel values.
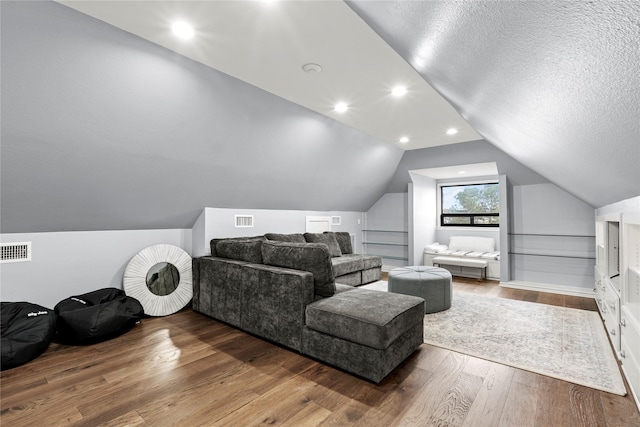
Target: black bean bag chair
(96, 316)
(26, 331)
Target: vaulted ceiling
(110, 129)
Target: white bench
(465, 266)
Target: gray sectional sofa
(285, 291)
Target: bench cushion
(462, 262)
(365, 316)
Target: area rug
(559, 342)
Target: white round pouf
(135, 279)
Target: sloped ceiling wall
(554, 84)
(102, 130)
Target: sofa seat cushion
(347, 264)
(371, 261)
(371, 318)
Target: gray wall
(551, 215)
(220, 222)
(552, 238)
(389, 217)
(73, 263)
(103, 130)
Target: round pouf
(431, 283)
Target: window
(470, 205)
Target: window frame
(471, 225)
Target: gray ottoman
(431, 283)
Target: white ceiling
(267, 43)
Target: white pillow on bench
(471, 243)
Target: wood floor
(189, 370)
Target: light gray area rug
(559, 342)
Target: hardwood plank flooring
(187, 369)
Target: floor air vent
(15, 252)
(244, 221)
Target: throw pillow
(344, 241)
(327, 239)
(240, 249)
(296, 238)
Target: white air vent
(244, 221)
(336, 220)
(15, 252)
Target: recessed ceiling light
(341, 107)
(182, 30)
(462, 172)
(404, 140)
(399, 91)
(452, 131)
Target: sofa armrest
(274, 300)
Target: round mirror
(163, 278)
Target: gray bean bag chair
(96, 316)
(26, 331)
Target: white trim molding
(549, 288)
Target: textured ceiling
(555, 84)
(267, 43)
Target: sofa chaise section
(288, 295)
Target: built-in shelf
(395, 242)
(385, 244)
(392, 257)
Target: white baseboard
(550, 288)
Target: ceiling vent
(15, 252)
(244, 221)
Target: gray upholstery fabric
(327, 239)
(365, 317)
(371, 261)
(218, 292)
(214, 242)
(344, 241)
(351, 279)
(371, 275)
(346, 264)
(370, 363)
(431, 283)
(295, 238)
(312, 257)
(249, 250)
(274, 301)
(342, 288)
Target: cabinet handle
(613, 306)
(622, 354)
(623, 322)
(604, 288)
(612, 332)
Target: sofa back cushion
(214, 242)
(311, 257)
(249, 250)
(327, 239)
(296, 237)
(344, 241)
(471, 243)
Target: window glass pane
(461, 220)
(475, 198)
(486, 220)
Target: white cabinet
(630, 300)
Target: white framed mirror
(160, 277)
